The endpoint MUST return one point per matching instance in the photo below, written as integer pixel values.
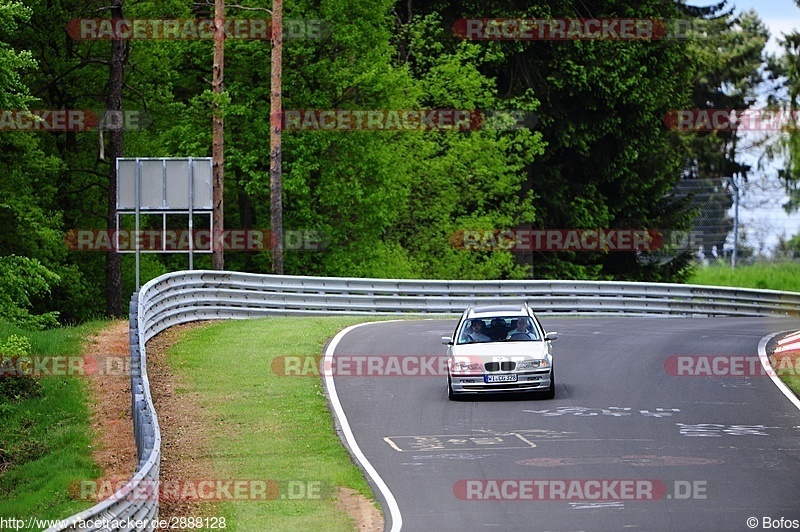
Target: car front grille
(500, 366)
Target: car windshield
(498, 329)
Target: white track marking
(338, 411)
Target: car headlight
(466, 366)
(527, 364)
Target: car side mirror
(446, 340)
(551, 336)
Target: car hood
(536, 350)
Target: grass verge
(779, 276)
(793, 382)
(45, 440)
(265, 426)
(786, 366)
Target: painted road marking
(716, 430)
(450, 442)
(631, 460)
(613, 411)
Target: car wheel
(450, 394)
(551, 392)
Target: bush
(16, 383)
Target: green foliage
(15, 383)
(785, 72)
(388, 203)
(20, 278)
(789, 249)
(16, 346)
(607, 160)
(35, 186)
(14, 93)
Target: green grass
(265, 426)
(66, 341)
(46, 440)
(793, 382)
(779, 276)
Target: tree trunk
(276, 156)
(116, 149)
(217, 145)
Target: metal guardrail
(187, 296)
(137, 500)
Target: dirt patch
(111, 403)
(185, 449)
(360, 509)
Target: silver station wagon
(500, 349)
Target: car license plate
(512, 377)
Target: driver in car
(475, 334)
(522, 328)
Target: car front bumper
(528, 381)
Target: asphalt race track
(627, 444)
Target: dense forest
(593, 149)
